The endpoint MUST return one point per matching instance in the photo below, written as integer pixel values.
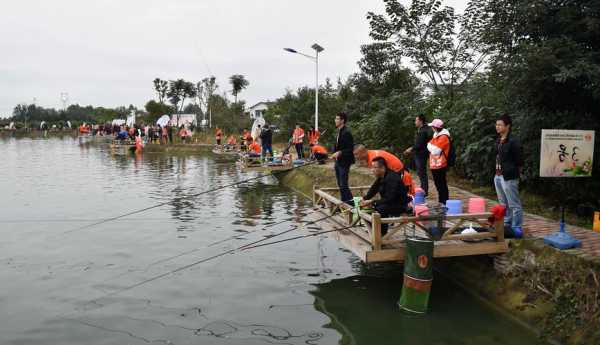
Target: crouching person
(391, 189)
(318, 153)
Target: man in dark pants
(266, 140)
(343, 156)
(391, 189)
(419, 149)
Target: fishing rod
(103, 221)
(297, 237)
(182, 268)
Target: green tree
(238, 83)
(179, 91)
(440, 43)
(156, 110)
(161, 87)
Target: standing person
(439, 149)
(266, 141)
(344, 158)
(164, 135)
(218, 135)
(419, 149)
(297, 140)
(170, 132)
(509, 161)
(313, 136)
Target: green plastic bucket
(418, 275)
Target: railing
(372, 232)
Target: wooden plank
(376, 231)
(477, 236)
(465, 216)
(327, 189)
(397, 254)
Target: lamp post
(315, 58)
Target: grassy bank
(555, 293)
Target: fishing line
(272, 173)
(182, 268)
(297, 237)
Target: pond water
(110, 283)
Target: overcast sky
(106, 53)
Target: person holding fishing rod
(390, 187)
(343, 156)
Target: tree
(156, 110)
(179, 90)
(238, 83)
(426, 33)
(161, 87)
(205, 90)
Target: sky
(107, 52)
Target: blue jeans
(508, 195)
(266, 149)
(341, 175)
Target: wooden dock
(364, 237)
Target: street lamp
(315, 58)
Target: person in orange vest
(246, 139)
(83, 129)
(231, 141)
(313, 136)
(254, 148)
(218, 135)
(297, 140)
(366, 156)
(319, 153)
(439, 149)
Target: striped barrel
(418, 275)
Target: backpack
(451, 158)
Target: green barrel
(418, 275)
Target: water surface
(65, 285)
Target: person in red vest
(313, 136)
(231, 141)
(439, 149)
(366, 156)
(218, 135)
(319, 153)
(297, 140)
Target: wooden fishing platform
(366, 241)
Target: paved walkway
(533, 225)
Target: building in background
(258, 110)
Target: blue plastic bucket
(454, 206)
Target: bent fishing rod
(103, 221)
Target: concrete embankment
(555, 293)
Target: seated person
(391, 189)
(123, 134)
(367, 156)
(254, 149)
(231, 141)
(318, 153)
(286, 157)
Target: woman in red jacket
(439, 149)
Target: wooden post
(314, 195)
(376, 233)
(499, 225)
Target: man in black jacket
(419, 149)
(266, 141)
(391, 189)
(509, 161)
(343, 156)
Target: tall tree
(439, 42)
(179, 90)
(204, 92)
(161, 87)
(238, 83)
